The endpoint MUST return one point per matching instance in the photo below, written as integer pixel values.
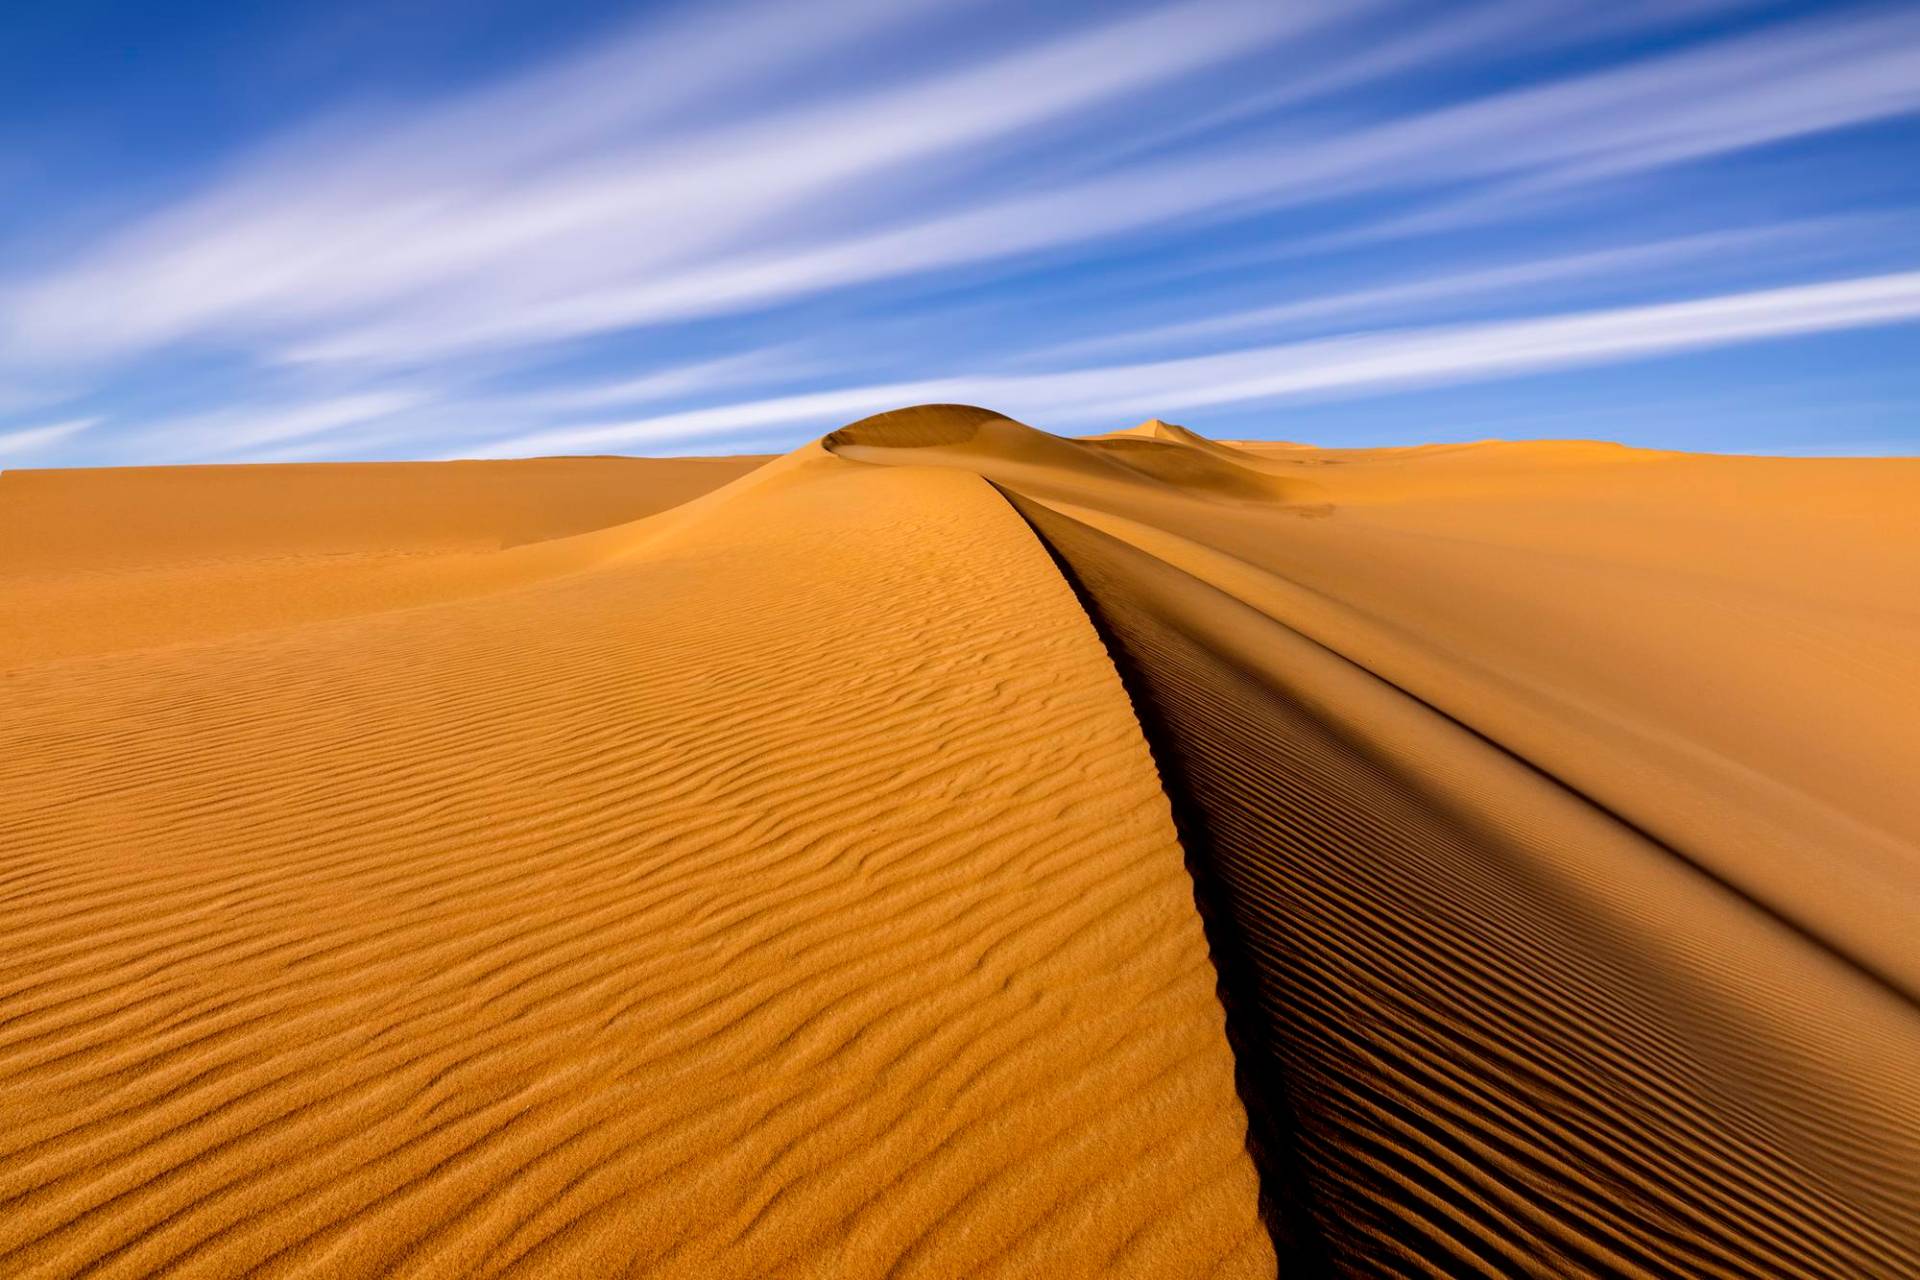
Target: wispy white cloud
(499, 214)
(722, 373)
(1369, 364)
(503, 217)
(676, 171)
(28, 439)
(1416, 41)
(1780, 83)
(246, 431)
(1386, 303)
(1329, 368)
(723, 420)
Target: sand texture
(957, 850)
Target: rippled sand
(955, 850)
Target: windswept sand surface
(132, 557)
(781, 887)
(955, 850)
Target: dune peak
(1158, 429)
(916, 427)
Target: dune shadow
(1273, 1132)
(1454, 1058)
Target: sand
(758, 893)
(132, 557)
(954, 850)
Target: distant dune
(953, 849)
(132, 557)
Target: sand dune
(957, 850)
(1554, 942)
(131, 557)
(764, 897)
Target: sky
(235, 232)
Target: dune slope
(94, 561)
(1546, 952)
(782, 889)
(1508, 1030)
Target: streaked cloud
(27, 440)
(502, 218)
(764, 364)
(1339, 367)
(1385, 304)
(1814, 76)
(662, 217)
(246, 430)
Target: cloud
(499, 206)
(723, 420)
(244, 431)
(766, 364)
(575, 201)
(1457, 353)
(1328, 368)
(29, 439)
(1386, 302)
(675, 174)
(1452, 31)
(1736, 94)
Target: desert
(956, 849)
(960, 640)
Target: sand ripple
(790, 893)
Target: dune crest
(1151, 429)
(1000, 449)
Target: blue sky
(458, 228)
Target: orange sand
(125, 558)
(954, 850)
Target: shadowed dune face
(926, 426)
(1561, 898)
(955, 850)
(1096, 469)
(1492, 1025)
(1197, 472)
